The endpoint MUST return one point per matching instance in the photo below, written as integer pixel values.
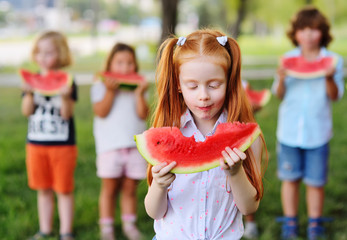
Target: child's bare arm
(281, 89)
(332, 90)
(141, 104)
(156, 198)
(68, 104)
(27, 101)
(103, 108)
(243, 191)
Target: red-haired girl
(199, 87)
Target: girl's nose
(203, 94)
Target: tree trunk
(241, 13)
(169, 18)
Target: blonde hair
(61, 45)
(171, 105)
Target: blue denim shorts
(295, 163)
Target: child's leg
(315, 201)
(290, 198)
(109, 191)
(128, 208)
(45, 202)
(128, 196)
(251, 230)
(66, 212)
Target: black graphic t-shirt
(46, 126)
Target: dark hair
(310, 17)
(120, 47)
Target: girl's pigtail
(168, 110)
(240, 109)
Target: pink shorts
(122, 162)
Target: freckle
(193, 182)
(171, 199)
(217, 201)
(181, 190)
(223, 185)
(214, 219)
(193, 199)
(202, 183)
(181, 208)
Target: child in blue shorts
(305, 123)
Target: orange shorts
(51, 167)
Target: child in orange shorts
(51, 151)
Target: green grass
(18, 213)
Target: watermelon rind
(43, 91)
(266, 98)
(140, 140)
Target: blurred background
(92, 28)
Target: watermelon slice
(167, 144)
(127, 81)
(299, 67)
(49, 84)
(258, 97)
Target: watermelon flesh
(258, 97)
(167, 144)
(127, 81)
(48, 84)
(299, 67)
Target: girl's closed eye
(192, 85)
(214, 84)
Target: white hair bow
(222, 40)
(181, 41)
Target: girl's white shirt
(118, 128)
(199, 205)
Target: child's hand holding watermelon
(162, 175)
(111, 84)
(232, 160)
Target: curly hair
(310, 17)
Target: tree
(241, 14)
(169, 17)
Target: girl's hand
(232, 160)
(281, 71)
(111, 84)
(26, 88)
(141, 88)
(161, 174)
(66, 92)
(329, 74)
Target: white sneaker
(251, 230)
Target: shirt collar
(322, 53)
(187, 118)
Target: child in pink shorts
(119, 115)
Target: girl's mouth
(207, 108)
